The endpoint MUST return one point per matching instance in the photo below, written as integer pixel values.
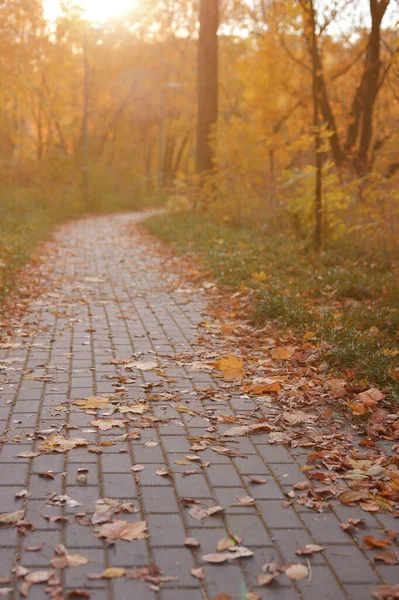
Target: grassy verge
(348, 299)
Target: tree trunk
(362, 111)
(207, 84)
(316, 93)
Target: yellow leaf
(231, 367)
(93, 402)
(308, 335)
(184, 409)
(283, 353)
(113, 572)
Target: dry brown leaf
(214, 510)
(93, 402)
(266, 579)
(386, 592)
(69, 560)
(216, 558)
(370, 397)
(282, 353)
(257, 480)
(27, 455)
(309, 549)
(142, 366)
(371, 542)
(198, 573)
(105, 424)
(388, 557)
(39, 576)
(225, 543)
(196, 512)
(192, 543)
(123, 530)
(12, 517)
(58, 443)
(138, 468)
(138, 409)
(244, 501)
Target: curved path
(110, 300)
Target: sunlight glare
(94, 10)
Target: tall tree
(207, 84)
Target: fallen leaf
(137, 409)
(246, 430)
(371, 542)
(198, 573)
(216, 558)
(69, 560)
(78, 593)
(386, 592)
(47, 475)
(196, 512)
(351, 523)
(105, 424)
(266, 579)
(138, 468)
(225, 543)
(388, 557)
(214, 510)
(371, 397)
(257, 480)
(39, 576)
(369, 506)
(309, 549)
(163, 473)
(93, 402)
(231, 368)
(12, 517)
(192, 543)
(27, 455)
(113, 572)
(141, 366)
(282, 353)
(123, 530)
(297, 571)
(235, 552)
(244, 501)
(58, 443)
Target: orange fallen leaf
(371, 542)
(282, 353)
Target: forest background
(252, 219)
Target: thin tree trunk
(207, 84)
(316, 130)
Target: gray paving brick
(350, 564)
(166, 530)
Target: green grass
(345, 296)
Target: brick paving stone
(107, 296)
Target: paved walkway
(110, 302)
